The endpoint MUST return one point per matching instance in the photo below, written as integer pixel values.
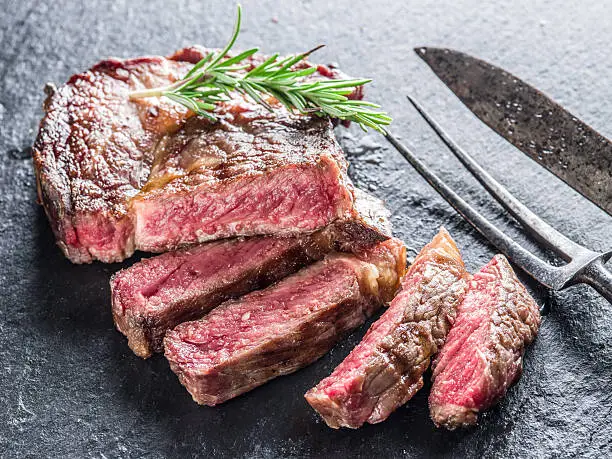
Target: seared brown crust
(367, 226)
(386, 369)
(97, 150)
(94, 148)
(268, 163)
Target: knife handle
(597, 276)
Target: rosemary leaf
(212, 80)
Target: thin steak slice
(115, 175)
(483, 354)
(158, 293)
(246, 342)
(386, 369)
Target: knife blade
(530, 120)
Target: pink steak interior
(295, 199)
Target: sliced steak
(158, 293)
(244, 343)
(115, 175)
(482, 356)
(386, 369)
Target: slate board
(70, 386)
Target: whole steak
(116, 175)
(483, 353)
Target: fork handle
(598, 277)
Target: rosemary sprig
(212, 79)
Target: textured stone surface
(70, 385)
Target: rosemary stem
(153, 92)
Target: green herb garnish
(211, 80)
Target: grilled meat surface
(386, 369)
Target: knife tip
(423, 51)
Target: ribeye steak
(158, 293)
(115, 175)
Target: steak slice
(158, 293)
(482, 356)
(246, 342)
(115, 175)
(386, 369)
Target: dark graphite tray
(71, 387)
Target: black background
(69, 384)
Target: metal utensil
(531, 121)
(584, 265)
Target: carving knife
(530, 120)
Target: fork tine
(546, 274)
(535, 226)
